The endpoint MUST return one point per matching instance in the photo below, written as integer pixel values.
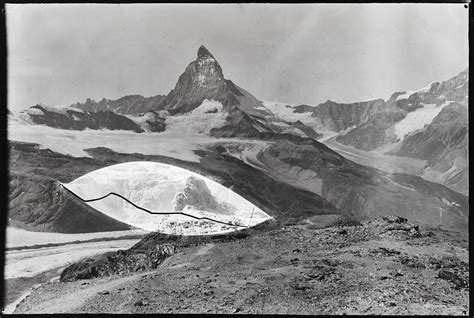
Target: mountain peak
(203, 52)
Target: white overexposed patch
(199, 121)
(16, 237)
(153, 186)
(417, 119)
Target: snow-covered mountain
(202, 102)
(444, 144)
(276, 163)
(405, 111)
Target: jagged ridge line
(151, 212)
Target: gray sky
(62, 54)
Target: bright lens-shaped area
(164, 198)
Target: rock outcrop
(80, 120)
(127, 105)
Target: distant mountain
(378, 129)
(204, 79)
(374, 132)
(235, 112)
(127, 105)
(80, 120)
(336, 116)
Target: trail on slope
(67, 303)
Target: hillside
(443, 143)
(317, 267)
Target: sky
(306, 53)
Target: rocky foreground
(321, 265)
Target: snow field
(417, 119)
(199, 121)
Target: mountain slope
(444, 144)
(380, 129)
(363, 191)
(38, 202)
(336, 116)
(80, 120)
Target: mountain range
(293, 175)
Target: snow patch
(76, 109)
(409, 93)
(199, 121)
(16, 237)
(201, 78)
(207, 106)
(282, 112)
(35, 111)
(73, 142)
(140, 120)
(417, 119)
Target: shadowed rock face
(338, 116)
(127, 105)
(373, 133)
(38, 202)
(81, 120)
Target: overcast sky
(62, 54)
